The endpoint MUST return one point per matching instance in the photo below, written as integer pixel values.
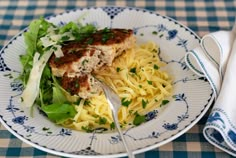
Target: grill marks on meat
(82, 57)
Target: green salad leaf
(51, 96)
(59, 112)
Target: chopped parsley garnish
(54, 48)
(144, 103)
(154, 32)
(95, 116)
(140, 86)
(76, 85)
(77, 102)
(133, 70)
(141, 34)
(112, 126)
(156, 67)
(87, 102)
(118, 69)
(102, 121)
(90, 41)
(125, 31)
(138, 119)
(84, 61)
(8, 75)
(149, 82)
(45, 129)
(131, 111)
(106, 30)
(106, 35)
(88, 129)
(164, 102)
(125, 102)
(65, 38)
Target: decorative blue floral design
(182, 117)
(162, 30)
(155, 134)
(203, 78)
(16, 86)
(11, 107)
(185, 79)
(61, 23)
(29, 129)
(65, 132)
(19, 120)
(151, 115)
(3, 66)
(182, 43)
(172, 34)
(112, 11)
(170, 127)
(181, 62)
(115, 139)
(179, 97)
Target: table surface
(200, 16)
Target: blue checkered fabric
(201, 16)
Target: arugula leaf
(58, 96)
(36, 29)
(87, 29)
(59, 112)
(44, 25)
(26, 60)
(80, 32)
(71, 26)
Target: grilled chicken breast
(82, 57)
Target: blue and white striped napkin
(215, 59)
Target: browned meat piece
(82, 57)
(84, 85)
(93, 52)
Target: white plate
(192, 95)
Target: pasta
(137, 78)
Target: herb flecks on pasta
(137, 77)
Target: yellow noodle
(136, 76)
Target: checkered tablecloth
(201, 16)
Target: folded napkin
(215, 59)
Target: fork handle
(129, 152)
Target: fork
(115, 103)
